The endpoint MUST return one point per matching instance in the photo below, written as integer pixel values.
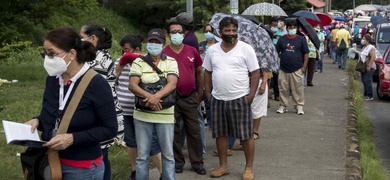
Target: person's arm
(207, 83)
(372, 57)
(264, 82)
(255, 76)
(200, 79)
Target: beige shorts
(260, 102)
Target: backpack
(342, 45)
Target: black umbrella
(307, 14)
(310, 32)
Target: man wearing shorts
(227, 64)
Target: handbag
(152, 88)
(37, 161)
(362, 66)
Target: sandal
(255, 135)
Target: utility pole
(190, 7)
(233, 6)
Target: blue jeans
(202, 130)
(165, 135)
(344, 54)
(107, 164)
(334, 51)
(130, 140)
(367, 83)
(319, 63)
(75, 173)
(231, 141)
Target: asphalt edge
(353, 167)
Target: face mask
(209, 36)
(55, 66)
(229, 38)
(279, 24)
(292, 32)
(154, 48)
(274, 29)
(177, 38)
(362, 42)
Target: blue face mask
(209, 36)
(362, 42)
(154, 48)
(274, 29)
(292, 32)
(177, 38)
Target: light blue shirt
(321, 35)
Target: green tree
(292, 6)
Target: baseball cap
(183, 18)
(157, 34)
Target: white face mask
(55, 66)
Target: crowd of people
(210, 77)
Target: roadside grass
(370, 162)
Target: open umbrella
(309, 31)
(307, 15)
(257, 22)
(365, 7)
(375, 20)
(264, 9)
(338, 18)
(325, 20)
(256, 36)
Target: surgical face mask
(177, 38)
(154, 48)
(274, 29)
(229, 38)
(279, 24)
(209, 36)
(55, 66)
(362, 42)
(292, 32)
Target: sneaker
(300, 111)
(368, 98)
(281, 110)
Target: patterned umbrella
(264, 9)
(257, 37)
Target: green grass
(371, 164)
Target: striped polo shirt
(139, 68)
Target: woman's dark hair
(368, 38)
(104, 35)
(134, 41)
(212, 29)
(66, 38)
(226, 21)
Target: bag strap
(149, 60)
(53, 158)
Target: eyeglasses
(176, 31)
(50, 54)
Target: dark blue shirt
(94, 119)
(191, 40)
(291, 52)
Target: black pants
(274, 84)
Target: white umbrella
(365, 7)
(264, 9)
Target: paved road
(305, 147)
(378, 111)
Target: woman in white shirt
(368, 54)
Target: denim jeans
(334, 51)
(75, 173)
(202, 130)
(107, 164)
(367, 83)
(165, 133)
(319, 63)
(344, 54)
